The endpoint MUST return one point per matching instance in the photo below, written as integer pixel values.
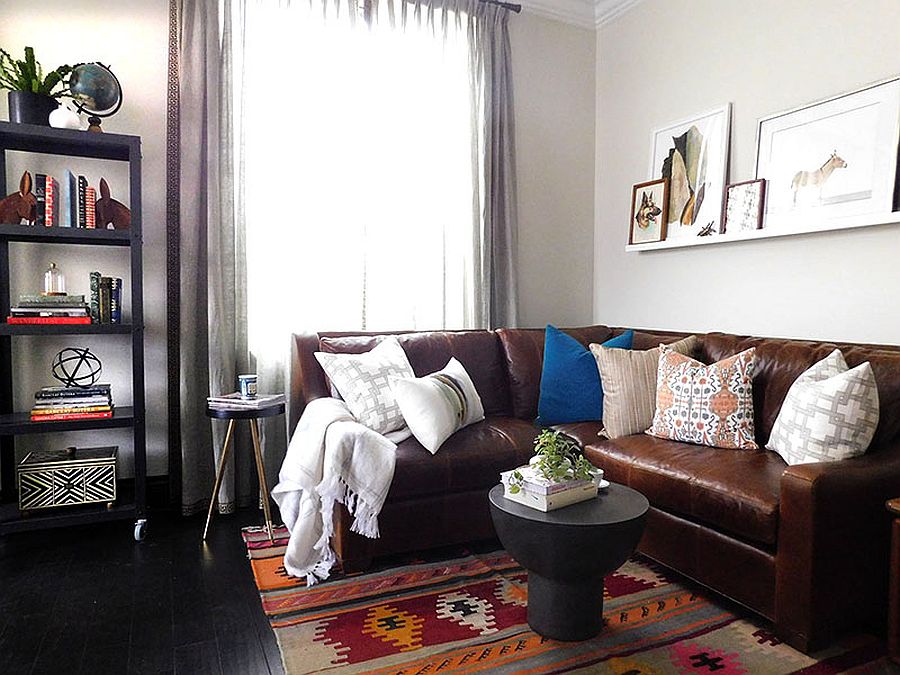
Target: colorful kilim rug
(468, 614)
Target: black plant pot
(28, 108)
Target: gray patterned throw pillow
(363, 381)
(830, 413)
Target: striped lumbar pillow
(629, 385)
(437, 405)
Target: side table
(568, 552)
(893, 506)
(253, 416)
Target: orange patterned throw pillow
(707, 405)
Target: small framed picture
(649, 210)
(744, 206)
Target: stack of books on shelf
(545, 495)
(49, 309)
(106, 299)
(234, 402)
(72, 403)
(68, 202)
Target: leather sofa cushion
(583, 433)
(479, 351)
(471, 459)
(779, 362)
(523, 349)
(734, 491)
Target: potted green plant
(557, 458)
(32, 95)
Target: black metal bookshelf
(132, 500)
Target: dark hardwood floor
(91, 600)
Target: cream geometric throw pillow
(363, 381)
(629, 385)
(830, 413)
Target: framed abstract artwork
(693, 155)
(649, 208)
(744, 204)
(832, 159)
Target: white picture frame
(696, 182)
(831, 160)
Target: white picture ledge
(868, 220)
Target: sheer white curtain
(361, 149)
(343, 165)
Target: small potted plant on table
(558, 475)
(32, 95)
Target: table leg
(261, 471)
(565, 610)
(894, 594)
(219, 472)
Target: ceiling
(584, 13)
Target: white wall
(131, 37)
(553, 84)
(663, 61)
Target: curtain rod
(505, 5)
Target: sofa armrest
(833, 542)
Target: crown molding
(607, 10)
(590, 14)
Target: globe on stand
(96, 91)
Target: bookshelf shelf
(19, 423)
(76, 144)
(65, 235)
(67, 329)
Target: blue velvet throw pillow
(570, 382)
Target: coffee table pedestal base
(565, 610)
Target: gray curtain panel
(213, 339)
(500, 217)
(213, 301)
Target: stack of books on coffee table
(545, 495)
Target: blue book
(68, 188)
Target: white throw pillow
(363, 381)
(830, 413)
(437, 405)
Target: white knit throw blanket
(331, 458)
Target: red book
(90, 208)
(71, 416)
(31, 320)
(51, 208)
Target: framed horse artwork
(831, 160)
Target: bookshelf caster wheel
(140, 529)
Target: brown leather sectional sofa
(804, 546)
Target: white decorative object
(363, 381)
(830, 413)
(693, 155)
(64, 118)
(437, 405)
(831, 160)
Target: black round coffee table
(568, 552)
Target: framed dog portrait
(744, 204)
(831, 159)
(693, 155)
(649, 208)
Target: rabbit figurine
(19, 204)
(108, 210)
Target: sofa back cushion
(478, 351)
(523, 349)
(779, 362)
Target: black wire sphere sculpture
(77, 367)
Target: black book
(40, 195)
(105, 300)
(82, 203)
(74, 392)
